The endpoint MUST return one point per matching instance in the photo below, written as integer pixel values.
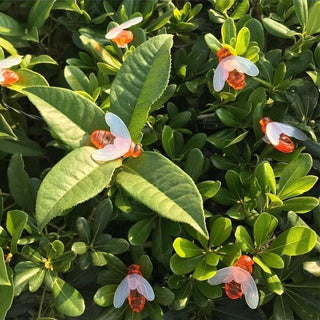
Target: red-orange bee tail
(136, 301)
(236, 80)
(10, 77)
(285, 144)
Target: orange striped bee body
(101, 138)
(136, 300)
(236, 80)
(233, 289)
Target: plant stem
(41, 302)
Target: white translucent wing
(9, 62)
(117, 126)
(219, 78)
(273, 131)
(251, 293)
(223, 275)
(1, 77)
(246, 66)
(112, 151)
(265, 139)
(121, 293)
(292, 131)
(114, 32)
(142, 285)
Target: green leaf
(16, 222)
(153, 309)
(67, 300)
(42, 59)
(272, 260)
(100, 53)
(299, 63)
(243, 39)
(185, 248)
(229, 253)
(76, 78)
(36, 281)
(146, 266)
(146, 179)
(220, 231)
(28, 78)
(113, 245)
(313, 24)
(83, 229)
(243, 239)
(301, 9)
(9, 26)
(228, 31)
(300, 204)
(241, 9)
(39, 13)
(181, 266)
(264, 174)
(104, 295)
(294, 241)
(6, 287)
(140, 82)
(279, 74)
(164, 296)
(79, 247)
(263, 228)
(212, 42)
(256, 31)
(57, 106)
(223, 5)
(295, 170)
(194, 163)
(140, 231)
(204, 271)
(102, 216)
(273, 281)
(208, 188)
(6, 45)
(281, 308)
(82, 179)
(277, 29)
(20, 184)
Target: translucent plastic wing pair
(9, 62)
(241, 276)
(132, 282)
(121, 143)
(114, 32)
(277, 134)
(230, 64)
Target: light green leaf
(241, 9)
(208, 188)
(243, 39)
(104, 295)
(301, 9)
(263, 228)
(67, 300)
(141, 80)
(295, 170)
(212, 42)
(223, 5)
(272, 260)
(76, 78)
(300, 204)
(273, 281)
(204, 271)
(313, 24)
(16, 222)
(71, 116)
(28, 78)
(6, 45)
(20, 184)
(181, 266)
(294, 241)
(163, 187)
(243, 239)
(74, 179)
(6, 287)
(185, 248)
(277, 29)
(264, 174)
(228, 31)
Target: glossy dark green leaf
(184, 265)
(313, 24)
(220, 231)
(208, 188)
(277, 29)
(83, 229)
(282, 310)
(300, 204)
(140, 231)
(164, 296)
(102, 216)
(243, 239)
(104, 296)
(263, 228)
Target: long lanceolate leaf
(141, 80)
(71, 116)
(165, 188)
(75, 179)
